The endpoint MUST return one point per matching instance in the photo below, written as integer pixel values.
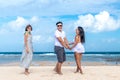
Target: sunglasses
(59, 25)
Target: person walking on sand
(27, 53)
(60, 43)
(78, 48)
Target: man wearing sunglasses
(61, 42)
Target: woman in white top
(78, 48)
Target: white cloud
(42, 39)
(3, 31)
(34, 19)
(19, 24)
(98, 23)
(55, 7)
(110, 40)
(10, 3)
(50, 39)
(19, 2)
(36, 38)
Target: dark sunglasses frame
(59, 25)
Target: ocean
(104, 57)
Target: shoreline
(66, 63)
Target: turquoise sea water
(109, 57)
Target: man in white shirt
(60, 43)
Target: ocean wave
(46, 54)
(93, 54)
(53, 54)
(2, 54)
(7, 55)
(101, 55)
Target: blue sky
(99, 18)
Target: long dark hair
(28, 27)
(82, 34)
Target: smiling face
(29, 29)
(59, 27)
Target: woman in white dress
(78, 48)
(27, 53)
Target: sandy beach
(47, 73)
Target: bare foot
(81, 72)
(26, 73)
(55, 70)
(76, 71)
(60, 73)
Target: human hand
(66, 47)
(71, 43)
(27, 50)
(70, 48)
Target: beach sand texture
(47, 73)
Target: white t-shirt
(59, 34)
